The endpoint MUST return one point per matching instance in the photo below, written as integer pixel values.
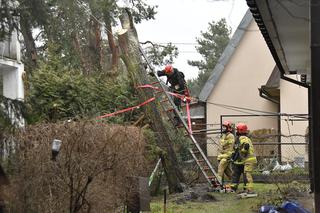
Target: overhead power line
(176, 43)
(254, 111)
(88, 12)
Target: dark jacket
(176, 80)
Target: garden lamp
(56, 144)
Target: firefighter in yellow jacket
(224, 157)
(244, 160)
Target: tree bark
(78, 50)
(113, 47)
(95, 50)
(29, 41)
(129, 46)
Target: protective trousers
(248, 168)
(177, 102)
(245, 169)
(224, 169)
(237, 171)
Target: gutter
(263, 94)
(263, 29)
(282, 76)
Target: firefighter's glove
(232, 159)
(245, 150)
(160, 73)
(246, 147)
(186, 98)
(234, 156)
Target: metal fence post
(165, 200)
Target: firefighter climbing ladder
(202, 161)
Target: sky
(181, 21)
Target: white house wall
(12, 82)
(11, 71)
(11, 68)
(249, 67)
(294, 100)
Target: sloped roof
(271, 90)
(274, 79)
(225, 57)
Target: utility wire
(238, 109)
(244, 109)
(241, 108)
(88, 12)
(252, 111)
(289, 131)
(177, 43)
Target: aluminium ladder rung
(201, 168)
(195, 152)
(163, 101)
(206, 168)
(212, 177)
(170, 110)
(185, 125)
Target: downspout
(315, 99)
(279, 134)
(206, 121)
(310, 163)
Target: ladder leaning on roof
(202, 161)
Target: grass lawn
(227, 203)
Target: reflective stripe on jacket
(227, 143)
(246, 156)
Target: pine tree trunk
(94, 44)
(129, 46)
(29, 41)
(78, 50)
(113, 48)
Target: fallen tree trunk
(129, 45)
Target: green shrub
(56, 95)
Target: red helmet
(242, 128)
(227, 125)
(168, 69)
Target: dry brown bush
(89, 174)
